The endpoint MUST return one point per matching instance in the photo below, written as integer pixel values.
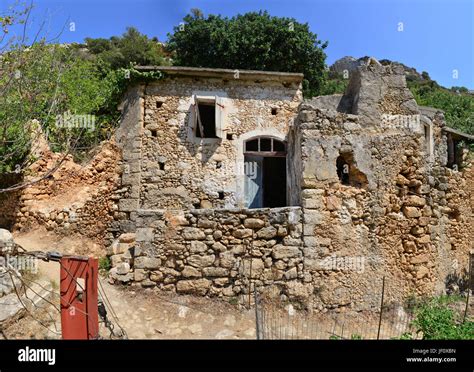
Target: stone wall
(214, 252)
(402, 218)
(9, 201)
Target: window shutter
(193, 117)
(219, 117)
(197, 119)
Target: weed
(104, 263)
(437, 321)
(234, 301)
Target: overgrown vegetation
(439, 318)
(252, 41)
(41, 83)
(105, 264)
(53, 80)
(457, 104)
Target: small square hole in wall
(221, 195)
(218, 164)
(274, 111)
(154, 133)
(159, 104)
(230, 136)
(162, 165)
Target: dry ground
(151, 314)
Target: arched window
(267, 145)
(265, 171)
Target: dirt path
(156, 314)
(151, 314)
(42, 240)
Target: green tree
(253, 41)
(130, 48)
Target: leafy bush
(28, 82)
(438, 321)
(458, 108)
(406, 336)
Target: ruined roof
(458, 134)
(222, 73)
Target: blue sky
(437, 35)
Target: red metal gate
(79, 298)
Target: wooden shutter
(219, 117)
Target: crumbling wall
(74, 199)
(375, 90)
(406, 223)
(374, 200)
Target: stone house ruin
(204, 129)
(232, 182)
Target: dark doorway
(265, 173)
(274, 182)
(455, 149)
